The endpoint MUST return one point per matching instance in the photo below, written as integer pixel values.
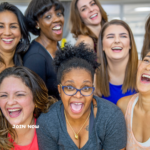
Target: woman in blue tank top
(118, 57)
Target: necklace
(76, 134)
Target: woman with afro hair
(80, 120)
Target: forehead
(147, 55)
(81, 3)
(12, 83)
(77, 74)
(8, 17)
(115, 29)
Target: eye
(69, 88)
(13, 27)
(48, 17)
(123, 36)
(146, 60)
(93, 3)
(3, 96)
(1, 26)
(59, 14)
(109, 37)
(19, 95)
(83, 9)
(86, 88)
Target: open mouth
(14, 112)
(117, 49)
(76, 107)
(57, 29)
(94, 16)
(145, 78)
(7, 41)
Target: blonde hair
(102, 76)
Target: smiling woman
(118, 57)
(13, 34)
(23, 96)
(45, 19)
(80, 120)
(86, 20)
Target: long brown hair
(102, 76)
(146, 44)
(76, 24)
(40, 99)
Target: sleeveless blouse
(132, 143)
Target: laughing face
(116, 42)
(143, 75)
(51, 24)
(16, 101)
(89, 12)
(10, 33)
(76, 106)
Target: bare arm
(86, 40)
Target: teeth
(147, 76)
(12, 110)
(7, 40)
(78, 103)
(93, 16)
(117, 48)
(57, 28)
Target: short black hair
(72, 57)
(23, 45)
(38, 8)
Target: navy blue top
(107, 130)
(39, 60)
(116, 93)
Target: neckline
(131, 119)
(115, 85)
(44, 48)
(91, 125)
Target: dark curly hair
(36, 9)
(40, 99)
(71, 57)
(23, 45)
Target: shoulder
(51, 118)
(85, 39)
(123, 103)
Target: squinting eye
(20, 94)
(109, 37)
(70, 87)
(86, 88)
(59, 13)
(3, 95)
(83, 9)
(123, 36)
(146, 60)
(48, 17)
(13, 27)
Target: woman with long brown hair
(23, 97)
(86, 19)
(118, 57)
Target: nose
(117, 39)
(91, 8)
(11, 101)
(56, 18)
(78, 94)
(7, 31)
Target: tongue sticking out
(15, 113)
(76, 107)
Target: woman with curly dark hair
(14, 36)
(80, 120)
(46, 20)
(23, 97)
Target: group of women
(67, 94)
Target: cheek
(83, 15)
(18, 34)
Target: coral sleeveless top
(132, 143)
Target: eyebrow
(85, 5)
(11, 23)
(147, 56)
(114, 34)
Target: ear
(59, 88)
(37, 25)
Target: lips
(7, 41)
(117, 49)
(145, 78)
(57, 29)
(14, 112)
(94, 16)
(76, 107)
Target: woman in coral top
(23, 96)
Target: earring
(38, 27)
(21, 40)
